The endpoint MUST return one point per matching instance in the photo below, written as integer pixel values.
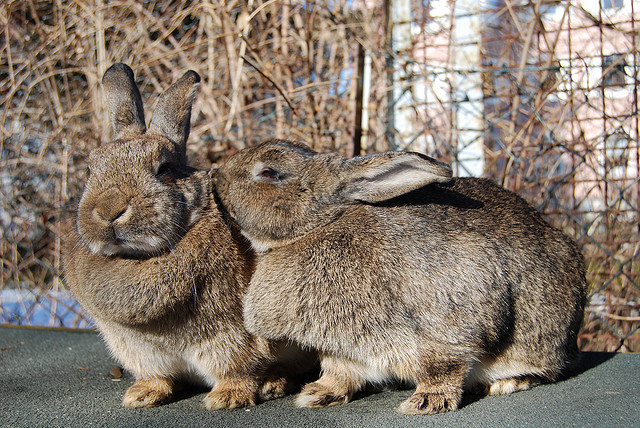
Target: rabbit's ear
(123, 101)
(383, 176)
(172, 116)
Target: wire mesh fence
(541, 96)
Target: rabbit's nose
(111, 207)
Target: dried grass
(285, 69)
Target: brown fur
(393, 270)
(156, 265)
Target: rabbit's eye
(163, 169)
(270, 175)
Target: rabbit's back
(503, 254)
(464, 266)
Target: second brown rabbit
(393, 270)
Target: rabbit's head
(141, 197)
(279, 190)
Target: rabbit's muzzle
(112, 208)
(113, 223)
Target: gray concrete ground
(51, 378)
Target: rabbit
(396, 272)
(157, 266)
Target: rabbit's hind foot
(511, 385)
(148, 393)
(273, 388)
(316, 394)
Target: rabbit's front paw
(422, 403)
(147, 393)
(229, 395)
(317, 395)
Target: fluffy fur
(393, 270)
(157, 266)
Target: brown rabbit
(393, 270)
(155, 263)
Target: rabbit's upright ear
(123, 101)
(379, 177)
(172, 116)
